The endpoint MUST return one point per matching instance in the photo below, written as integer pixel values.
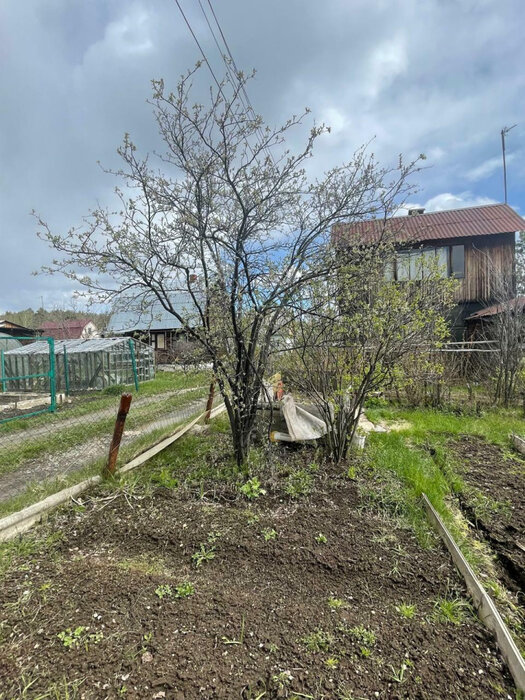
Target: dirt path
(9, 440)
(60, 464)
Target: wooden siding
(487, 259)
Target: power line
(235, 71)
(230, 55)
(233, 76)
(200, 48)
(228, 67)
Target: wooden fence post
(209, 403)
(125, 403)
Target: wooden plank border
(485, 607)
(19, 522)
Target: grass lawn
(87, 403)
(295, 579)
(40, 455)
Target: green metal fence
(14, 376)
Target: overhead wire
(233, 74)
(236, 70)
(200, 48)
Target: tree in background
(506, 329)
(232, 222)
(356, 329)
(30, 318)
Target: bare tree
(357, 328)
(507, 329)
(232, 221)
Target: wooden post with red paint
(209, 403)
(125, 403)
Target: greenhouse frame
(80, 365)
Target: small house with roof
(71, 329)
(15, 329)
(475, 245)
(151, 323)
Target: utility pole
(504, 132)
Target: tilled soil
(495, 501)
(259, 623)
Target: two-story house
(474, 245)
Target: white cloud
(387, 61)
(130, 34)
(447, 200)
(488, 167)
(437, 77)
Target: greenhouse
(80, 365)
(7, 342)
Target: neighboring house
(70, 330)
(14, 329)
(474, 245)
(152, 324)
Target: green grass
(40, 490)
(406, 610)
(415, 460)
(494, 425)
(61, 440)
(89, 402)
(454, 611)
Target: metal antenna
(504, 132)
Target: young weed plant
(364, 638)
(269, 534)
(252, 489)
(318, 641)
(80, 636)
(202, 555)
(406, 610)
(240, 641)
(299, 483)
(453, 610)
(183, 590)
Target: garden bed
(192, 583)
(494, 500)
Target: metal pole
(3, 371)
(125, 403)
(504, 164)
(52, 376)
(505, 131)
(133, 363)
(66, 371)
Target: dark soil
(243, 633)
(495, 500)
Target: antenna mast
(504, 132)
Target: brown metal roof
(65, 330)
(517, 304)
(434, 226)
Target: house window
(161, 341)
(442, 260)
(412, 264)
(403, 265)
(457, 261)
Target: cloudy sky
(440, 77)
